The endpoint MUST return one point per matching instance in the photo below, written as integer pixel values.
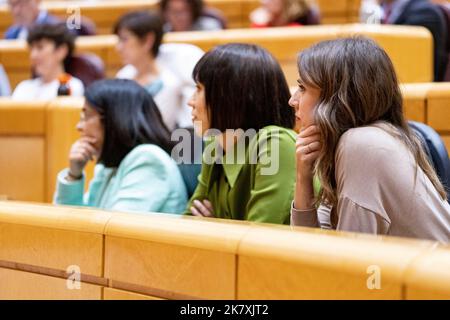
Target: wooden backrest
(406, 46)
(35, 139)
(23, 147)
(162, 256)
(105, 14)
(434, 100)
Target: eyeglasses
(84, 116)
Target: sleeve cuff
(68, 192)
(304, 218)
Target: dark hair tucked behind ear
(130, 117)
(142, 23)
(244, 88)
(58, 34)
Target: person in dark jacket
(26, 13)
(421, 13)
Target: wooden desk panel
(312, 265)
(19, 285)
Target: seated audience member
(280, 13)
(188, 15)
(421, 13)
(5, 89)
(26, 14)
(372, 168)
(163, 70)
(51, 47)
(244, 176)
(121, 128)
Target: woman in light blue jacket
(121, 127)
(5, 89)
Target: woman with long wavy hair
(374, 175)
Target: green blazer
(256, 186)
(147, 180)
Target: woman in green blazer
(241, 108)
(122, 128)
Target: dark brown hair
(58, 34)
(196, 7)
(245, 88)
(142, 23)
(130, 118)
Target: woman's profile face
(130, 48)
(91, 125)
(46, 57)
(178, 14)
(304, 101)
(199, 110)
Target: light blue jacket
(147, 180)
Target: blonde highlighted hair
(359, 87)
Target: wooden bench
(105, 14)
(162, 256)
(35, 139)
(430, 103)
(407, 46)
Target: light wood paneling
(22, 168)
(316, 266)
(439, 107)
(105, 13)
(114, 294)
(22, 118)
(201, 263)
(429, 276)
(52, 237)
(284, 43)
(18, 285)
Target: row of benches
(69, 253)
(105, 14)
(410, 48)
(35, 137)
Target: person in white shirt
(51, 47)
(165, 71)
(5, 89)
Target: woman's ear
(148, 41)
(61, 52)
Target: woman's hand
(202, 209)
(82, 151)
(307, 150)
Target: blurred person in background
(26, 13)
(163, 70)
(422, 13)
(280, 13)
(190, 15)
(51, 48)
(5, 89)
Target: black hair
(141, 23)
(244, 88)
(196, 7)
(58, 33)
(130, 117)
